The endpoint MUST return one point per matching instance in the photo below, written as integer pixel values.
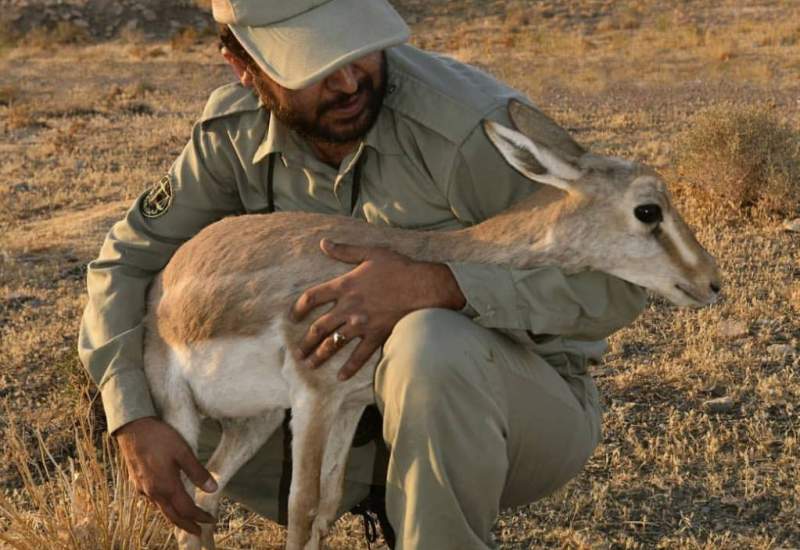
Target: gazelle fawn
(219, 343)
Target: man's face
(339, 109)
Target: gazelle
(219, 342)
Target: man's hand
(156, 454)
(370, 300)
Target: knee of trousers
(430, 352)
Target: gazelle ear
(534, 161)
(542, 129)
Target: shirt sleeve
(545, 301)
(201, 190)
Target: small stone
(21, 188)
(792, 225)
(780, 350)
(732, 329)
(719, 404)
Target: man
(482, 383)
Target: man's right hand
(156, 454)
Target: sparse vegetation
(84, 502)
(63, 33)
(740, 158)
(9, 93)
(627, 79)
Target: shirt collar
(278, 139)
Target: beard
(315, 126)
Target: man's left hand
(369, 300)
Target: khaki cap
(299, 42)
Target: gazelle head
(621, 220)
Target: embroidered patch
(158, 199)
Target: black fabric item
(371, 508)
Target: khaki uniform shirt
(426, 164)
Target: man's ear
(239, 67)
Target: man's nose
(343, 80)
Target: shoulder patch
(158, 199)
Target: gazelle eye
(648, 213)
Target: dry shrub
(8, 36)
(87, 502)
(8, 94)
(19, 115)
(740, 160)
(184, 39)
(63, 33)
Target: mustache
(364, 85)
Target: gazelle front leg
(241, 439)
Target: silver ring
(339, 338)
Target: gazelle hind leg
(334, 462)
(311, 420)
(180, 413)
(241, 439)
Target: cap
(299, 42)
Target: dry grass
(84, 502)
(740, 159)
(77, 146)
(64, 33)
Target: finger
(312, 298)
(358, 358)
(325, 351)
(347, 253)
(317, 332)
(195, 471)
(188, 510)
(176, 519)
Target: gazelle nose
(715, 287)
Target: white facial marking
(686, 249)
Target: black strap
(271, 185)
(286, 470)
(356, 186)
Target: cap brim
(302, 50)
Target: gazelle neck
(519, 237)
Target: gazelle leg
(312, 417)
(334, 462)
(241, 439)
(180, 413)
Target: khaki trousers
(473, 422)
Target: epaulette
(445, 96)
(228, 100)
